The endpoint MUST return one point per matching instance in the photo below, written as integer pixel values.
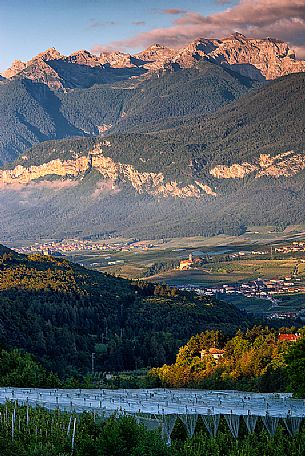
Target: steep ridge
(59, 73)
(257, 58)
(150, 182)
(250, 154)
(267, 121)
(169, 98)
(96, 95)
(32, 113)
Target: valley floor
(230, 265)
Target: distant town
(271, 289)
(67, 246)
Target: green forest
(253, 360)
(33, 113)
(267, 119)
(62, 313)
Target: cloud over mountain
(284, 19)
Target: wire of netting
(150, 423)
(250, 421)
(168, 424)
(211, 423)
(292, 424)
(189, 422)
(158, 401)
(270, 423)
(233, 424)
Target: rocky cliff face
(286, 164)
(117, 59)
(267, 57)
(256, 58)
(17, 67)
(155, 57)
(38, 69)
(143, 182)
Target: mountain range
(205, 140)
(258, 59)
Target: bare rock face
(116, 59)
(269, 57)
(197, 50)
(256, 58)
(38, 69)
(23, 175)
(83, 57)
(49, 54)
(155, 57)
(143, 182)
(235, 171)
(16, 67)
(286, 164)
(41, 71)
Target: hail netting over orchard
(162, 407)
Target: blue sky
(28, 27)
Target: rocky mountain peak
(48, 54)
(83, 57)
(155, 57)
(197, 50)
(16, 67)
(239, 36)
(256, 58)
(116, 59)
(156, 50)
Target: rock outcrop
(235, 171)
(83, 57)
(257, 58)
(269, 58)
(117, 59)
(17, 67)
(155, 57)
(38, 69)
(286, 164)
(143, 182)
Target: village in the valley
(111, 252)
(67, 246)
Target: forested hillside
(170, 97)
(61, 313)
(32, 113)
(266, 120)
(255, 360)
(269, 120)
(250, 126)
